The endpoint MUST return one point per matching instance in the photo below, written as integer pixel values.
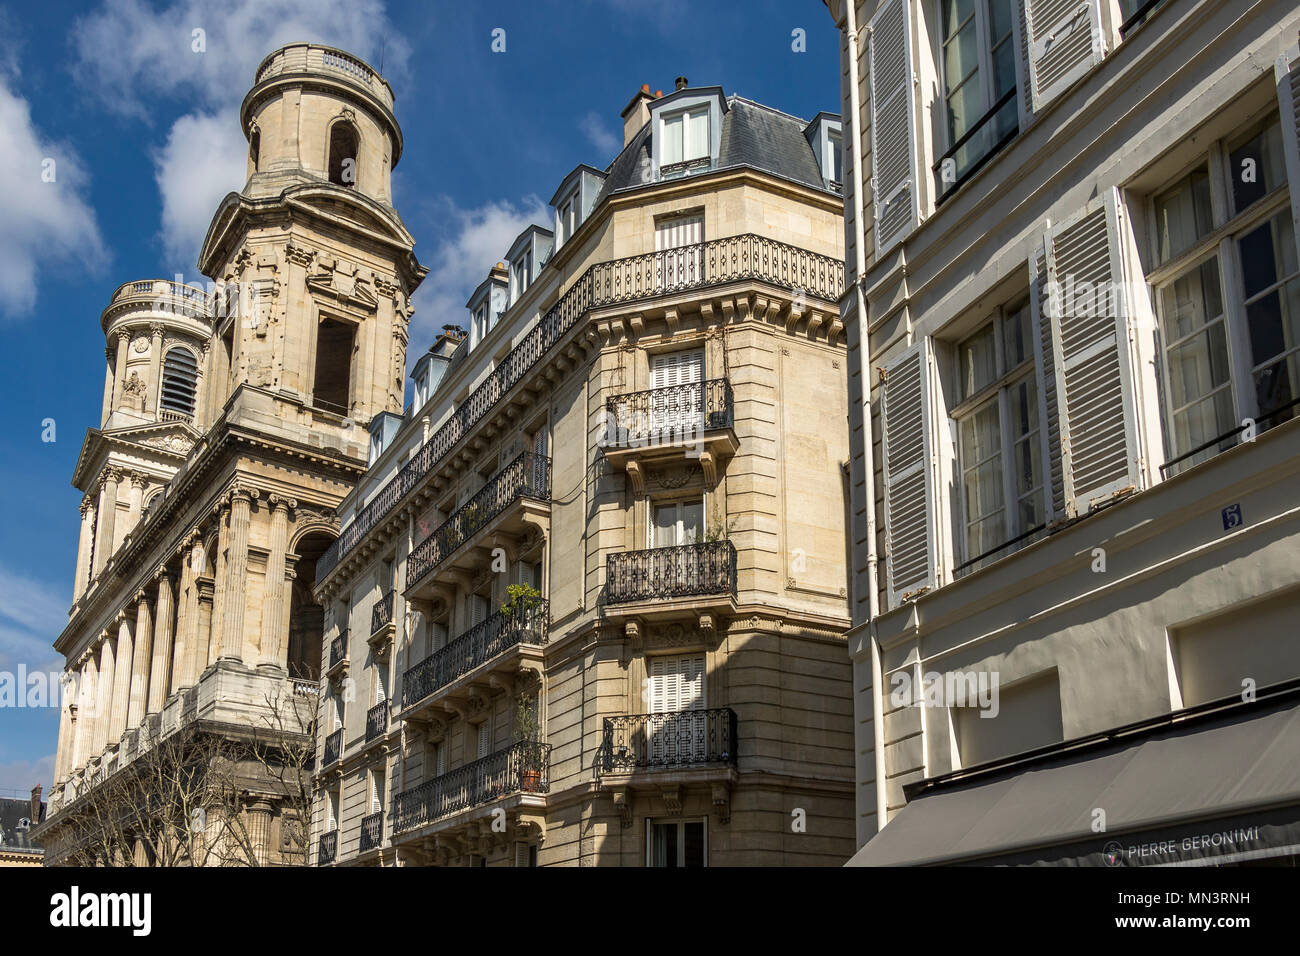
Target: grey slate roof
(11, 812)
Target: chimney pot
(680, 83)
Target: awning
(1218, 788)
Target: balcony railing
(372, 831)
(707, 568)
(333, 748)
(382, 614)
(480, 644)
(528, 476)
(662, 415)
(339, 648)
(735, 258)
(522, 768)
(377, 721)
(328, 848)
(655, 741)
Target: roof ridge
(771, 109)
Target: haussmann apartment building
(588, 604)
(1073, 326)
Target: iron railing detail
(481, 643)
(328, 848)
(339, 648)
(522, 768)
(333, 748)
(661, 415)
(701, 265)
(382, 614)
(528, 476)
(686, 570)
(681, 739)
(372, 831)
(377, 721)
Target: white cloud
(19, 776)
(598, 134)
(477, 239)
(47, 226)
(202, 160)
(32, 615)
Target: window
(676, 687)
(180, 381)
(977, 67)
(333, 381)
(479, 327)
(525, 854)
(1228, 307)
(679, 246)
(999, 449)
(254, 150)
(1132, 13)
(567, 223)
(676, 843)
(332, 811)
(376, 791)
(439, 760)
(344, 143)
(677, 523)
(685, 142)
(835, 157)
(520, 276)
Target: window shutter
(484, 739)
(439, 760)
(1287, 72)
(911, 544)
(521, 854)
(1065, 41)
(1024, 87)
(377, 794)
(1092, 355)
(692, 671)
(1048, 411)
(893, 125)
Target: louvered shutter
(1287, 73)
(439, 760)
(1024, 88)
(893, 125)
(1092, 355)
(908, 461)
(484, 739)
(521, 854)
(1053, 454)
(377, 793)
(1065, 41)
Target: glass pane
(1256, 167)
(1004, 69)
(965, 106)
(692, 522)
(665, 527)
(983, 536)
(980, 438)
(672, 147)
(1017, 346)
(1198, 366)
(1026, 459)
(1202, 422)
(1183, 214)
(978, 361)
(955, 13)
(1191, 300)
(1278, 385)
(1024, 408)
(694, 849)
(999, 19)
(664, 845)
(1031, 511)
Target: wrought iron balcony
(660, 416)
(687, 738)
(522, 768)
(720, 261)
(528, 476)
(382, 614)
(333, 748)
(657, 574)
(377, 721)
(481, 643)
(339, 648)
(372, 831)
(328, 848)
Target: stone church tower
(234, 421)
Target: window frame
(680, 823)
(687, 164)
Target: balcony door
(676, 724)
(679, 248)
(677, 396)
(676, 523)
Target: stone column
(61, 754)
(218, 584)
(206, 651)
(162, 644)
(107, 518)
(274, 639)
(83, 547)
(153, 402)
(108, 386)
(119, 368)
(200, 390)
(232, 629)
(121, 679)
(140, 662)
(259, 830)
(187, 629)
(103, 696)
(136, 500)
(83, 736)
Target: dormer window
(685, 142)
(521, 275)
(834, 158)
(479, 326)
(567, 219)
(825, 136)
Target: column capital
(163, 576)
(141, 597)
(156, 329)
(111, 475)
(278, 502)
(87, 504)
(123, 335)
(139, 479)
(240, 490)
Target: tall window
(521, 276)
(999, 449)
(479, 325)
(835, 157)
(679, 247)
(685, 142)
(676, 843)
(568, 219)
(344, 144)
(978, 70)
(333, 381)
(1228, 306)
(180, 379)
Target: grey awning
(1227, 787)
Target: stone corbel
(834, 331)
(672, 320)
(623, 805)
(743, 308)
(728, 311)
(792, 317)
(706, 312)
(815, 320)
(530, 827)
(637, 324)
(707, 627)
(709, 465)
(672, 799)
(636, 474)
(722, 802)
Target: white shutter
(377, 793)
(911, 532)
(676, 368)
(1287, 73)
(484, 739)
(1056, 457)
(439, 760)
(521, 854)
(676, 684)
(893, 125)
(477, 610)
(1065, 41)
(1092, 355)
(1024, 88)
(381, 692)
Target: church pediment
(169, 442)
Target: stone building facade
(587, 605)
(233, 424)
(1072, 337)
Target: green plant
(720, 532)
(521, 598)
(526, 718)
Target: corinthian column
(162, 645)
(140, 662)
(83, 737)
(107, 518)
(153, 402)
(121, 680)
(273, 637)
(232, 625)
(103, 696)
(119, 368)
(83, 546)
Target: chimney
(679, 84)
(35, 813)
(637, 113)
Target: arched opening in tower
(343, 154)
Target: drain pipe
(864, 360)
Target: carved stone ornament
(140, 345)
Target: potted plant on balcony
(521, 599)
(526, 729)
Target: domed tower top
(316, 113)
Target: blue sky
(144, 136)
